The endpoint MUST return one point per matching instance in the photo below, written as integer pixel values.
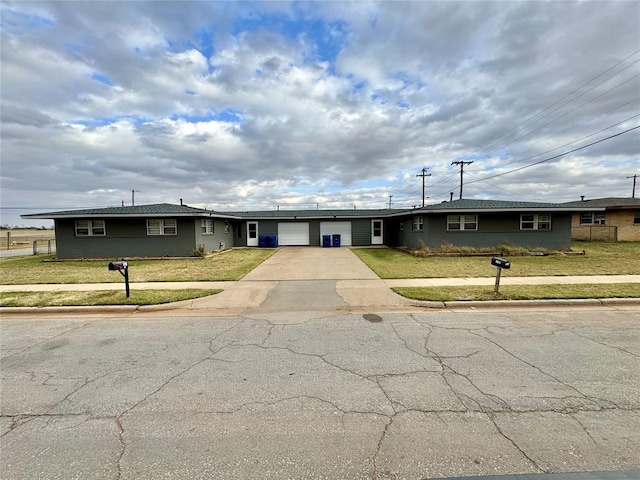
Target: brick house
(609, 219)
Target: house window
(90, 228)
(531, 221)
(207, 227)
(636, 218)
(417, 224)
(592, 218)
(162, 227)
(462, 222)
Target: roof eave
(45, 216)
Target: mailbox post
(123, 268)
(500, 263)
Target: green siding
(493, 228)
(361, 232)
(222, 237)
(314, 233)
(125, 238)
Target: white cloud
(251, 105)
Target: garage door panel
(337, 228)
(293, 233)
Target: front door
(376, 232)
(252, 234)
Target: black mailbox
(118, 265)
(500, 262)
(123, 268)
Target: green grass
(227, 266)
(101, 297)
(521, 292)
(600, 259)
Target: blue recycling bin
(272, 241)
(262, 241)
(326, 241)
(336, 240)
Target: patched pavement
(306, 279)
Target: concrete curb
(72, 309)
(185, 304)
(572, 302)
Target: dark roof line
(455, 206)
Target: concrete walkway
(313, 280)
(391, 283)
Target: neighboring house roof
(145, 211)
(614, 203)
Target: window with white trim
(534, 221)
(418, 224)
(462, 222)
(90, 228)
(207, 227)
(162, 227)
(592, 218)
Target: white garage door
(293, 233)
(337, 228)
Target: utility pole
(390, 196)
(133, 198)
(633, 192)
(423, 174)
(462, 164)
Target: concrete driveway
(307, 280)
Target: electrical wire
(558, 101)
(554, 157)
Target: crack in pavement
(524, 454)
(586, 337)
(28, 347)
(122, 448)
(535, 367)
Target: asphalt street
(367, 395)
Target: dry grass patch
(227, 266)
(521, 292)
(101, 297)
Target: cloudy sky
(233, 105)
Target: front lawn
(600, 259)
(226, 266)
(521, 292)
(101, 297)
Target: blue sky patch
(102, 79)
(228, 115)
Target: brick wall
(627, 231)
(618, 227)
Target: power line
(506, 134)
(462, 164)
(572, 142)
(574, 126)
(556, 156)
(633, 192)
(423, 175)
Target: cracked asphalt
(380, 395)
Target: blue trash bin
(262, 241)
(272, 241)
(326, 241)
(336, 240)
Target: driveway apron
(307, 279)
